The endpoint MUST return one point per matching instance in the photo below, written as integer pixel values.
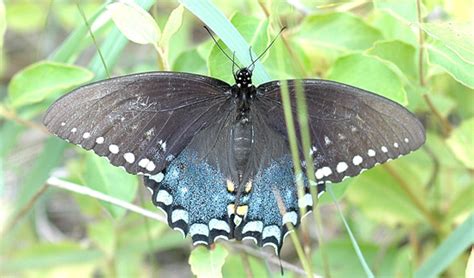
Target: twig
(101, 196)
(272, 259)
(53, 181)
(445, 125)
(406, 188)
(420, 46)
(11, 115)
(22, 212)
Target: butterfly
(216, 156)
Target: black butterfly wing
(140, 121)
(351, 129)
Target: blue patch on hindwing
(198, 191)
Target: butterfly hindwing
(351, 129)
(141, 121)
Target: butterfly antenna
(233, 63)
(268, 47)
(225, 53)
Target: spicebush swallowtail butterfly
(214, 154)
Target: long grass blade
(208, 13)
(456, 243)
(362, 260)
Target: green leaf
(103, 235)
(455, 65)
(405, 10)
(337, 31)
(338, 189)
(452, 247)
(217, 22)
(190, 61)
(112, 47)
(172, 26)
(401, 54)
(208, 263)
(393, 29)
(134, 22)
(369, 73)
(253, 30)
(461, 204)
(234, 267)
(458, 38)
(110, 180)
(43, 79)
(461, 142)
(392, 205)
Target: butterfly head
(243, 78)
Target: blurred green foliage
(411, 217)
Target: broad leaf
(134, 22)
(369, 73)
(337, 31)
(172, 26)
(208, 262)
(43, 79)
(461, 143)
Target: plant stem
(445, 125)
(22, 212)
(53, 181)
(11, 115)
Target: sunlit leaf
(369, 73)
(452, 50)
(134, 22)
(461, 142)
(381, 198)
(172, 26)
(401, 54)
(394, 29)
(458, 38)
(447, 59)
(40, 80)
(208, 263)
(337, 31)
(404, 10)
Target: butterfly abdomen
(241, 145)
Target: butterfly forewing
(141, 121)
(351, 129)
